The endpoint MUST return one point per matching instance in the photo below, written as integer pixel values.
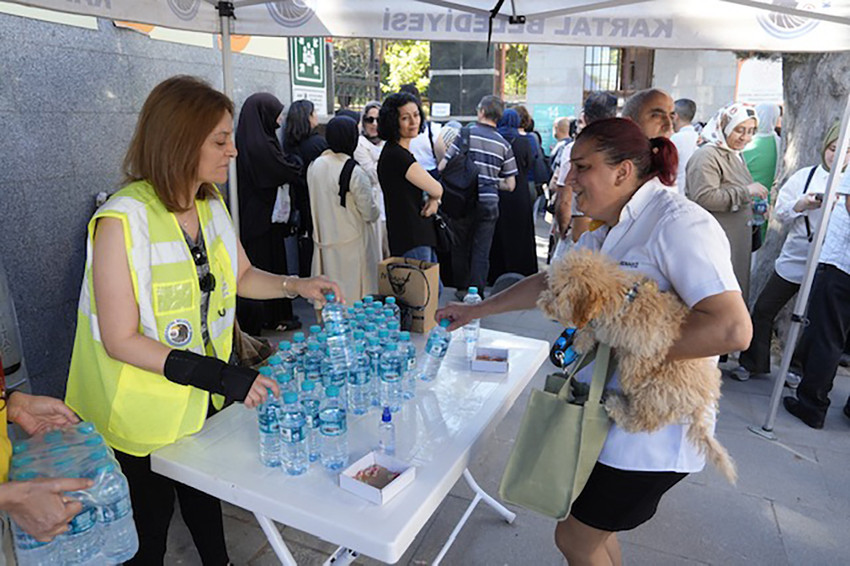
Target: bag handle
(602, 372)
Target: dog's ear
(586, 305)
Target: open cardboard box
(492, 360)
(379, 496)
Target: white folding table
(437, 432)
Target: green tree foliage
(406, 62)
(516, 71)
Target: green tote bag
(558, 442)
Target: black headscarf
(260, 161)
(341, 133)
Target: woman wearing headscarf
(261, 167)
(718, 180)
(513, 249)
(344, 212)
(367, 154)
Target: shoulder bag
(559, 440)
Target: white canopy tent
(731, 25)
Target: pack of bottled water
(104, 531)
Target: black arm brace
(210, 374)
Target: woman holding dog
(619, 178)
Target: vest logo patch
(178, 333)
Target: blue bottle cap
(313, 346)
(393, 325)
(308, 385)
(472, 290)
(358, 304)
(383, 333)
(332, 391)
(85, 428)
(284, 345)
(358, 334)
(368, 299)
(329, 297)
(290, 397)
(274, 360)
(20, 447)
(373, 340)
(298, 337)
(359, 347)
(107, 468)
(266, 371)
(390, 300)
(391, 347)
(93, 441)
(404, 335)
(378, 305)
(387, 415)
(444, 323)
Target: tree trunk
(815, 89)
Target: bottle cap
(332, 391)
(404, 335)
(53, 436)
(313, 346)
(315, 329)
(472, 291)
(93, 441)
(351, 311)
(20, 447)
(373, 340)
(107, 468)
(360, 316)
(358, 334)
(266, 371)
(284, 377)
(393, 325)
(290, 397)
(390, 300)
(284, 345)
(274, 360)
(391, 347)
(308, 385)
(298, 337)
(383, 333)
(98, 454)
(358, 304)
(359, 347)
(378, 305)
(444, 323)
(85, 428)
(329, 297)
(387, 415)
(368, 299)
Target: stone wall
(706, 77)
(69, 98)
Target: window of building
(602, 68)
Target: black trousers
(268, 253)
(776, 293)
(825, 337)
(152, 496)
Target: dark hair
(165, 150)
(297, 125)
(619, 139)
(492, 107)
(598, 106)
(525, 121)
(388, 128)
(686, 109)
(410, 88)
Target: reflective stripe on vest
(135, 410)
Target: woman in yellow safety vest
(157, 305)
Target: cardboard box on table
(414, 283)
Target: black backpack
(460, 181)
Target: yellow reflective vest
(135, 410)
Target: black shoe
(808, 416)
(847, 408)
(844, 361)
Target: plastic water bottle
(408, 350)
(374, 351)
(392, 305)
(393, 327)
(310, 406)
(274, 362)
(340, 349)
(370, 331)
(28, 550)
(359, 384)
(368, 300)
(333, 430)
(120, 541)
(269, 426)
(358, 307)
(314, 333)
(82, 542)
(313, 363)
(384, 336)
(289, 363)
(392, 372)
(435, 351)
(471, 329)
(359, 321)
(293, 440)
(386, 433)
(360, 338)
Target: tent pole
(798, 316)
(225, 14)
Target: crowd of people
(321, 207)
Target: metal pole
(797, 318)
(226, 14)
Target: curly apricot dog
(627, 311)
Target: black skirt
(619, 500)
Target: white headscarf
(726, 120)
(768, 116)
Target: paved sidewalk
(791, 505)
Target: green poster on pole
(308, 61)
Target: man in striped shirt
(496, 171)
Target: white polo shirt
(685, 141)
(420, 146)
(679, 245)
(835, 250)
